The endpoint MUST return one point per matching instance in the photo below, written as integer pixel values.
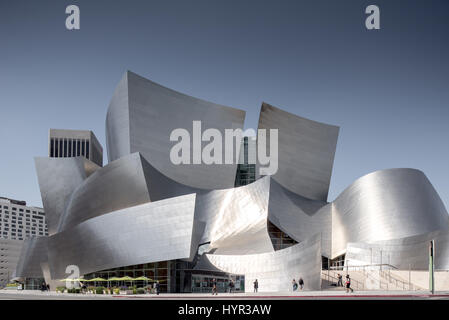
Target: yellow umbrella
(96, 279)
(142, 278)
(114, 279)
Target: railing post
(410, 276)
(380, 260)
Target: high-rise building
(74, 143)
(9, 256)
(246, 169)
(17, 222)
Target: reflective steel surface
(236, 219)
(299, 217)
(140, 208)
(154, 231)
(120, 184)
(34, 252)
(386, 204)
(58, 178)
(141, 116)
(275, 270)
(306, 152)
(404, 254)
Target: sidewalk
(331, 294)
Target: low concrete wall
(421, 278)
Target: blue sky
(387, 89)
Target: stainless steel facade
(154, 231)
(404, 253)
(58, 179)
(140, 208)
(34, 252)
(384, 205)
(306, 152)
(274, 270)
(120, 184)
(141, 117)
(236, 219)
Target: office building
(17, 223)
(75, 143)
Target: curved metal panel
(150, 232)
(299, 217)
(384, 205)
(117, 122)
(118, 185)
(58, 178)
(404, 254)
(236, 219)
(34, 252)
(274, 270)
(144, 121)
(306, 151)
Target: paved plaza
(304, 295)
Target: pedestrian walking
(295, 285)
(158, 287)
(214, 287)
(43, 287)
(48, 287)
(301, 283)
(256, 285)
(340, 280)
(348, 284)
(231, 286)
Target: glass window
(69, 151)
(61, 148)
(56, 154)
(83, 148)
(65, 148)
(52, 147)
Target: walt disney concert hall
(142, 215)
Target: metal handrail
(359, 285)
(384, 274)
(363, 267)
(387, 276)
(382, 285)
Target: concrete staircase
(367, 279)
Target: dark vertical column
(52, 147)
(83, 152)
(87, 149)
(69, 150)
(65, 148)
(56, 148)
(78, 148)
(61, 148)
